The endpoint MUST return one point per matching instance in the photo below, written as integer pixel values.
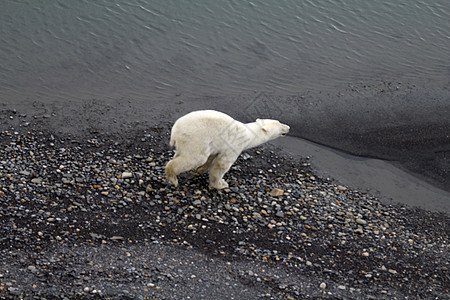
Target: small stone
(126, 175)
(365, 254)
(392, 271)
(341, 287)
(341, 188)
(197, 202)
(36, 180)
(256, 215)
(323, 285)
(361, 221)
(25, 173)
(280, 214)
(32, 269)
(359, 230)
(276, 192)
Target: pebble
(276, 192)
(359, 230)
(361, 221)
(36, 180)
(310, 225)
(280, 214)
(126, 175)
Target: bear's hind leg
(205, 168)
(219, 167)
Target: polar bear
(211, 141)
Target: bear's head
(272, 128)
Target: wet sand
(374, 176)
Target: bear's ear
(261, 123)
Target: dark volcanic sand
(86, 213)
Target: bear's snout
(285, 130)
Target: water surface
(157, 49)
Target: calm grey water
(154, 50)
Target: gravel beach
(92, 217)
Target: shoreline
(395, 178)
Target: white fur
(211, 141)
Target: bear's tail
(172, 142)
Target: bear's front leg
(219, 167)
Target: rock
(25, 173)
(280, 214)
(359, 230)
(276, 192)
(341, 188)
(126, 175)
(32, 269)
(361, 221)
(323, 285)
(36, 180)
(257, 215)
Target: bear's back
(203, 119)
(204, 127)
